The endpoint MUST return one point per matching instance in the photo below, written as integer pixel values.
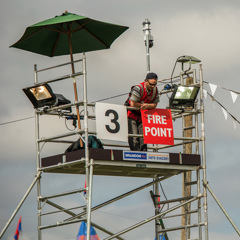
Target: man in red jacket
(143, 96)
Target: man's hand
(144, 106)
(148, 106)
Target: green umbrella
(68, 34)
(58, 35)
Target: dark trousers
(136, 143)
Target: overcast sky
(208, 30)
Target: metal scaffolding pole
(38, 161)
(122, 196)
(222, 208)
(199, 206)
(88, 165)
(73, 214)
(157, 222)
(204, 164)
(20, 204)
(152, 218)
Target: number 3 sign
(111, 122)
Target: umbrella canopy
(69, 32)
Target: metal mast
(148, 39)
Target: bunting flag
(82, 234)
(159, 206)
(18, 229)
(224, 113)
(213, 88)
(205, 93)
(234, 96)
(85, 185)
(161, 237)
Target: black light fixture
(183, 96)
(43, 96)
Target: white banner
(234, 96)
(213, 88)
(111, 122)
(205, 93)
(224, 113)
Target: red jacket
(136, 114)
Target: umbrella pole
(74, 86)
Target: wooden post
(74, 82)
(186, 190)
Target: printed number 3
(114, 120)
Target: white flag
(234, 96)
(213, 88)
(225, 113)
(205, 93)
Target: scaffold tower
(186, 214)
(109, 162)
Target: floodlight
(183, 96)
(43, 96)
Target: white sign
(146, 156)
(111, 122)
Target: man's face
(151, 83)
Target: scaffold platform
(109, 162)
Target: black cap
(151, 76)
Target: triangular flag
(18, 229)
(234, 96)
(225, 113)
(161, 237)
(234, 124)
(82, 234)
(205, 93)
(159, 206)
(85, 186)
(213, 88)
